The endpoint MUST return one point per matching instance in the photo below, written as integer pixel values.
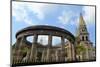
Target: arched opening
(43, 39)
(56, 40)
(82, 38)
(86, 38)
(30, 39)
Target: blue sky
(64, 16)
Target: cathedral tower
(82, 39)
(83, 34)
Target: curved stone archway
(46, 30)
(43, 30)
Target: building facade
(83, 41)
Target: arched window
(82, 38)
(86, 37)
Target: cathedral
(81, 50)
(83, 44)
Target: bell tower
(82, 38)
(82, 32)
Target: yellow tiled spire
(82, 26)
(81, 20)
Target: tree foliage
(80, 49)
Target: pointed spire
(81, 20)
(82, 26)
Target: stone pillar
(35, 38)
(74, 46)
(56, 56)
(50, 40)
(43, 55)
(35, 55)
(15, 51)
(28, 55)
(33, 49)
(26, 58)
(49, 47)
(62, 42)
(17, 43)
(48, 54)
(21, 43)
(72, 53)
(87, 53)
(19, 56)
(63, 49)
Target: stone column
(63, 49)
(72, 52)
(87, 53)
(17, 43)
(19, 56)
(49, 47)
(35, 55)
(15, 51)
(43, 55)
(33, 49)
(50, 40)
(62, 42)
(21, 42)
(74, 46)
(35, 38)
(28, 54)
(56, 55)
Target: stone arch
(44, 30)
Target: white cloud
(89, 14)
(37, 9)
(20, 13)
(20, 10)
(66, 18)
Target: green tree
(80, 49)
